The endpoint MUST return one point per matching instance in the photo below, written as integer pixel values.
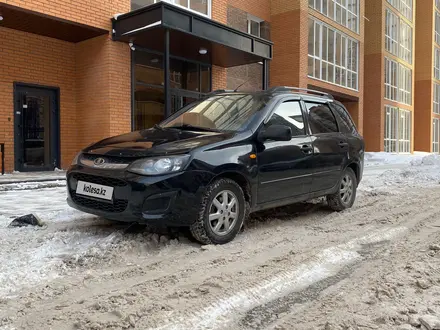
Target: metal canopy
(46, 25)
(188, 33)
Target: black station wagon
(216, 160)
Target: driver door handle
(343, 144)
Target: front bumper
(170, 200)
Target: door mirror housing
(275, 133)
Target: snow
(381, 158)
(29, 256)
(326, 263)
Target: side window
(289, 114)
(347, 125)
(321, 118)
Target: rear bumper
(171, 200)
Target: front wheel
(222, 213)
(346, 195)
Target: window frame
(173, 2)
(403, 87)
(436, 99)
(303, 114)
(437, 63)
(319, 6)
(321, 54)
(395, 43)
(334, 107)
(399, 118)
(250, 19)
(403, 7)
(327, 104)
(435, 139)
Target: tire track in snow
(325, 264)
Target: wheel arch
(356, 169)
(240, 179)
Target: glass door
(181, 98)
(36, 129)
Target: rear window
(346, 123)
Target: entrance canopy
(42, 24)
(191, 36)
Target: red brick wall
(103, 89)
(95, 13)
(33, 59)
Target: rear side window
(321, 118)
(347, 125)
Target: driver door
(285, 169)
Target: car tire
(219, 222)
(346, 195)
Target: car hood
(152, 142)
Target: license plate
(94, 190)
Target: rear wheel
(222, 213)
(346, 195)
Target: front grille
(117, 206)
(108, 159)
(105, 181)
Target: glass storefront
(188, 82)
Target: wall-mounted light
(203, 51)
(154, 60)
(132, 46)
(1, 18)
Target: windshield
(218, 113)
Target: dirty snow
(375, 266)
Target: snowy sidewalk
(22, 177)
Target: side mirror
(275, 133)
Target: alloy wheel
(223, 212)
(346, 190)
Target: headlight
(75, 160)
(158, 166)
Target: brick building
(389, 72)
(75, 72)
(427, 77)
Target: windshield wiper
(194, 128)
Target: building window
(398, 37)
(391, 32)
(333, 56)
(405, 85)
(345, 12)
(435, 135)
(436, 108)
(437, 4)
(405, 44)
(397, 130)
(254, 25)
(437, 63)
(188, 82)
(391, 73)
(405, 7)
(398, 82)
(199, 6)
(437, 27)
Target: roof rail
(297, 89)
(218, 91)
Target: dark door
(329, 145)
(285, 166)
(36, 129)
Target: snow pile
(430, 159)
(385, 158)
